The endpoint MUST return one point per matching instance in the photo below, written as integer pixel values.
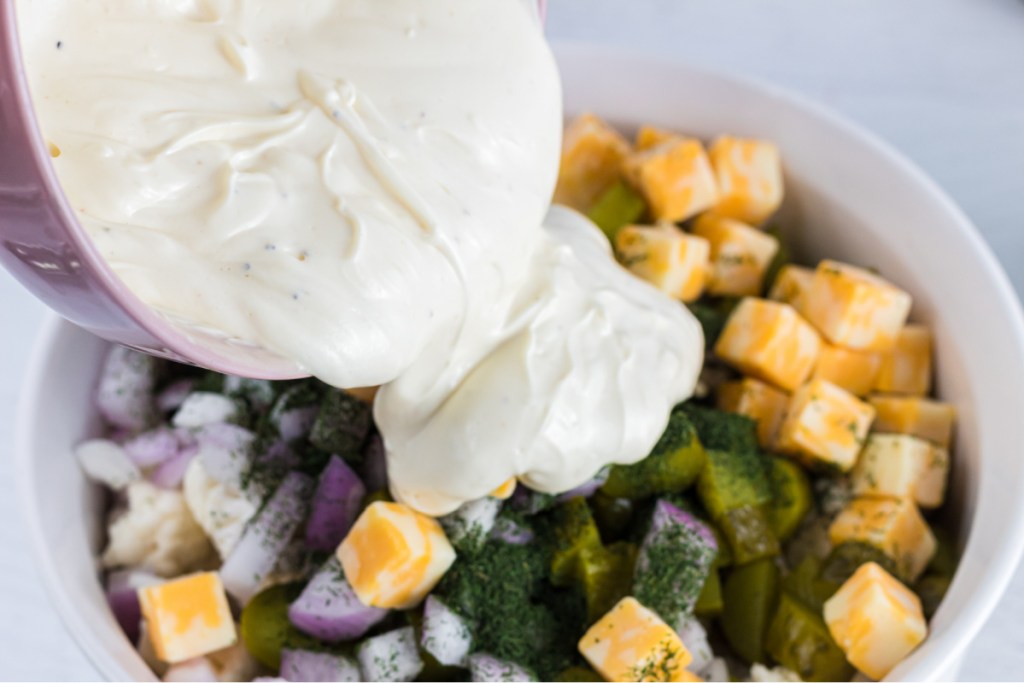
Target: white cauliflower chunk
(106, 462)
(220, 508)
(156, 532)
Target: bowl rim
(999, 567)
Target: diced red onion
(335, 506)
(123, 596)
(169, 474)
(303, 665)
(485, 667)
(445, 635)
(587, 488)
(205, 408)
(295, 423)
(391, 656)
(511, 532)
(667, 514)
(279, 455)
(226, 451)
(173, 395)
(328, 608)
(125, 393)
(151, 448)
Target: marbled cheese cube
(902, 466)
(675, 177)
(921, 417)
(760, 402)
(671, 260)
(631, 643)
(854, 308)
(187, 617)
(505, 491)
(592, 156)
(854, 371)
(825, 424)
(393, 556)
(875, 620)
(749, 175)
(894, 526)
(769, 341)
(652, 136)
(907, 367)
(791, 285)
(931, 487)
(740, 255)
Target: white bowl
(849, 197)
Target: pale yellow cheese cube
(875, 620)
(749, 175)
(931, 487)
(907, 367)
(671, 260)
(652, 136)
(393, 556)
(791, 285)
(675, 177)
(854, 371)
(902, 466)
(187, 617)
(921, 417)
(505, 491)
(769, 341)
(760, 402)
(825, 425)
(592, 156)
(740, 255)
(631, 643)
(893, 525)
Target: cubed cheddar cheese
(902, 466)
(740, 255)
(825, 425)
(505, 491)
(760, 402)
(769, 341)
(791, 285)
(855, 371)
(893, 525)
(907, 367)
(749, 175)
(675, 177)
(875, 620)
(187, 617)
(921, 417)
(854, 308)
(393, 556)
(631, 643)
(668, 258)
(592, 157)
(652, 136)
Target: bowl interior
(849, 197)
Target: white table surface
(943, 80)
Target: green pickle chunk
(845, 558)
(799, 640)
(605, 575)
(612, 515)
(709, 602)
(749, 595)
(791, 497)
(806, 585)
(748, 534)
(265, 628)
(618, 207)
(932, 589)
(575, 534)
(731, 480)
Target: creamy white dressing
(361, 186)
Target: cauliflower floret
(156, 532)
(220, 508)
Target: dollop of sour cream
(363, 186)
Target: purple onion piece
(152, 448)
(125, 393)
(279, 455)
(173, 395)
(335, 506)
(485, 667)
(446, 635)
(509, 531)
(169, 474)
(391, 656)
(303, 665)
(123, 597)
(295, 423)
(328, 608)
(587, 488)
(226, 451)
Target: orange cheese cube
(791, 285)
(854, 371)
(652, 136)
(675, 177)
(875, 620)
(187, 617)
(631, 643)
(825, 424)
(592, 156)
(907, 367)
(893, 525)
(505, 491)
(393, 556)
(740, 255)
(749, 175)
(920, 417)
(854, 308)
(769, 341)
(668, 258)
(758, 401)
(902, 466)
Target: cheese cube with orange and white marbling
(876, 620)
(671, 260)
(907, 367)
(652, 136)
(893, 525)
(759, 401)
(592, 156)
(921, 417)
(902, 466)
(505, 491)
(740, 255)
(631, 643)
(825, 425)
(187, 617)
(855, 371)
(769, 341)
(674, 177)
(749, 175)
(791, 285)
(854, 308)
(393, 556)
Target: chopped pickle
(791, 497)
(748, 534)
(749, 595)
(944, 560)
(379, 496)
(932, 589)
(618, 207)
(605, 576)
(265, 628)
(806, 585)
(799, 640)
(574, 534)
(578, 673)
(613, 515)
(845, 558)
(731, 480)
(709, 602)
(712, 316)
(341, 426)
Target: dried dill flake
(342, 426)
